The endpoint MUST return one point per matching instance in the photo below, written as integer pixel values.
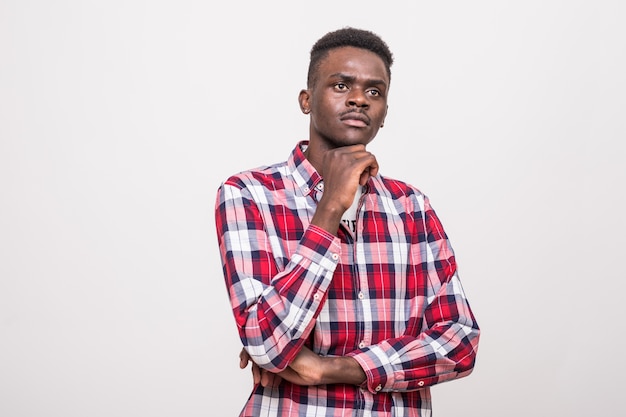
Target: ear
(304, 100)
(383, 122)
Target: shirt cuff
(382, 375)
(377, 368)
(321, 247)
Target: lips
(355, 119)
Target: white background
(119, 119)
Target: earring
(306, 111)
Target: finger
(270, 379)
(374, 168)
(369, 165)
(244, 358)
(277, 380)
(365, 175)
(265, 378)
(274, 380)
(256, 374)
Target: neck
(315, 154)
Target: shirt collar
(304, 174)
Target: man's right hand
(343, 170)
(259, 375)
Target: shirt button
(335, 256)
(316, 296)
(361, 296)
(379, 387)
(306, 190)
(362, 345)
(421, 383)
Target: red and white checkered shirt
(387, 295)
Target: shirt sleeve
(446, 347)
(274, 308)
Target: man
(342, 282)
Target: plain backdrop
(119, 120)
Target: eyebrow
(373, 81)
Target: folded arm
(274, 309)
(446, 345)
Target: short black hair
(348, 36)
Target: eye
(341, 86)
(374, 92)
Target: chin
(353, 140)
(358, 141)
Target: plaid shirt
(388, 295)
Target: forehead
(353, 61)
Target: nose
(357, 98)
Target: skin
(347, 104)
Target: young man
(342, 281)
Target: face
(348, 101)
